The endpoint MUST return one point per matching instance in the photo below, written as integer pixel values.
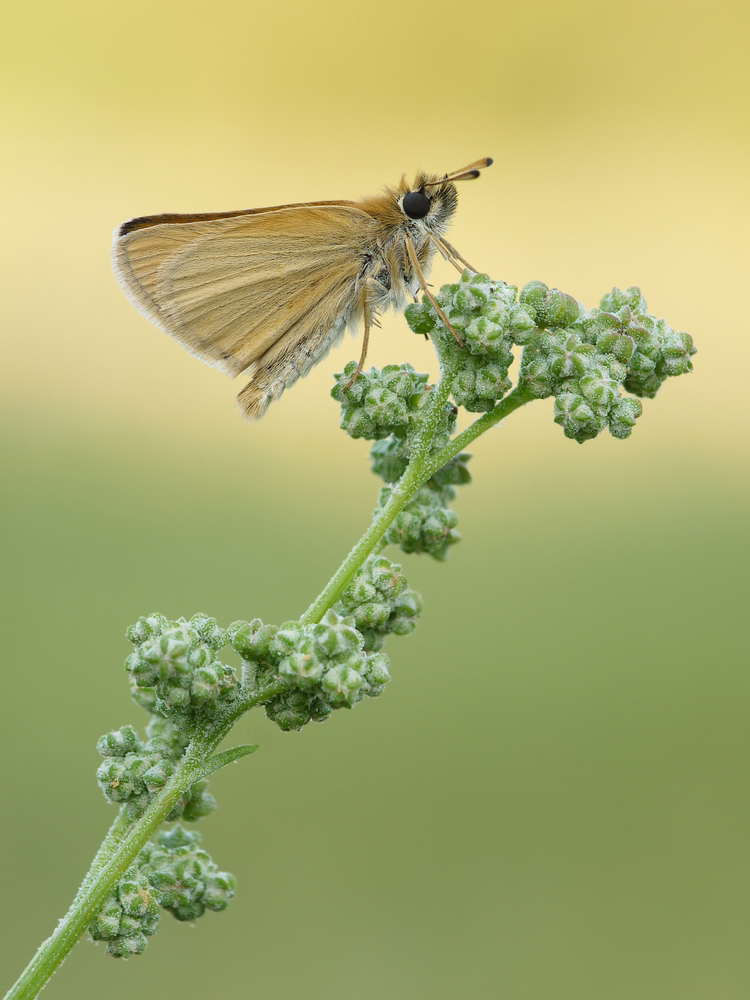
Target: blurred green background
(550, 802)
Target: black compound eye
(416, 204)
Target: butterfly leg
(420, 277)
(451, 254)
(365, 341)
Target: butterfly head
(433, 199)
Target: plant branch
(404, 490)
(506, 406)
(98, 884)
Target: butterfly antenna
(465, 173)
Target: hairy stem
(404, 490)
(127, 837)
(421, 466)
(102, 876)
(506, 406)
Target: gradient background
(551, 800)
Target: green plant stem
(115, 836)
(406, 487)
(102, 877)
(126, 837)
(506, 406)
(421, 466)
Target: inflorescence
(581, 358)
(171, 872)
(387, 407)
(597, 365)
(312, 669)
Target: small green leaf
(220, 760)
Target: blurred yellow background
(550, 801)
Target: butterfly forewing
(231, 289)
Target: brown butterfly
(266, 292)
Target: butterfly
(266, 292)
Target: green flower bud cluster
(380, 602)
(549, 308)
(586, 362)
(489, 320)
(380, 402)
(174, 670)
(172, 873)
(426, 523)
(407, 393)
(388, 402)
(651, 349)
(183, 877)
(129, 915)
(134, 772)
(312, 669)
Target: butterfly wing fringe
(280, 367)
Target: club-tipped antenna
(465, 173)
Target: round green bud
(127, 946)
(622, 346)
(199, 803)
(372, 614)
(677, 349)
(534, 295)
(303, 668)
(288, 639)
(522, 325)
(107, 924)
(251, 639)
(420, 319)
(335, 636)
(218, 890)
(208, 632)
(376, 674)
(479, 383)
(384, 407)
(535, 373)
(617, 299)
(343, 685)
(119, 743)
(295, 708)
(623, 416)
(576, 417)
(146, 628)
(156, 777)
(404, 613)
(549, 307)
(386, 577)
(569, 357)
(599, 389)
